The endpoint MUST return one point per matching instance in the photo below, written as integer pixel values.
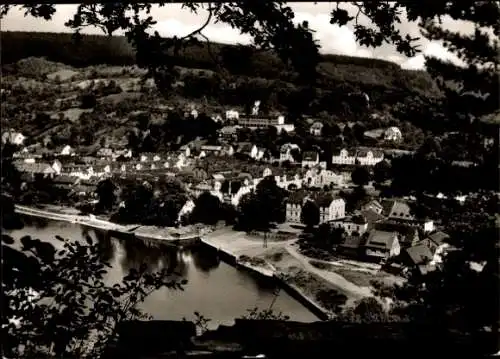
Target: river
(215, 289)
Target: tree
(56, 302)
(309, 215)
(360, 176)
(382, 171)
(207, 210)
(294, 44)
(263, 207)
(105, 191)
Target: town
(252, 192)
(341, 191)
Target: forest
(372, 74)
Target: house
(330, 207)
(67, 151)
(316, 128)
(436, 241)
(371, 217)
(374, 205)
(418, 258)
(344, 157)
(351, 246)
(105, 152)
(408, 234)
(327, 178)
(287, 150)
(363, 157)
(207, 149)
(232, 115)
(287, 127)
(393, 134)
(217, 117)
(13, 137)
(399, 211)
(352, 225)
(248, 149)
(310, 159)
(382, 245)
(228, 133)
(200, 174)
(369, 157)
(227, 150)
(260, 121)
(185, 151)
(36, 169)
(57, 167)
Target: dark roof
(310, 156)
(352, 242)
(396, 209)
(322, 199)
(371, 216)
(419, 254)
(381, 239)
(244, 147)
(438, 237)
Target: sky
(172, 20)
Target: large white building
(330, 207)
(362, 157)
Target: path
(237, 244)
(352, 289)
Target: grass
(358, 277)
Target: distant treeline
(237, 60)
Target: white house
(57, 167)
(232, 115)
(351, 224)
(361, 157)
(344, 157)
(105, 152)
(320, 177)
(13, 137)
(67, 151)
(369, 157)
(316, 128)
(393, 134)
(330, 207)
(310, 159)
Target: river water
(215, 289)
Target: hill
(48, 79)
(364, 74)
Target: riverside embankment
(148, 234)
(280, 259)
(275, 259)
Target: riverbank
(149, 234)
(276, 259)
(282, 261)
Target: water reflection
(204, 259)
(37, 222)
(157, 258)
(215, 289)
